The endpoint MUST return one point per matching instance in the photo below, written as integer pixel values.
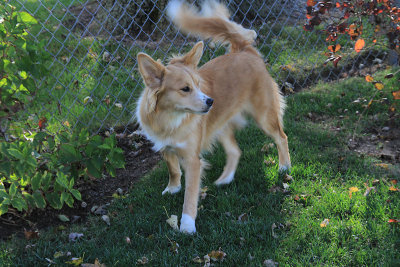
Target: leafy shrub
(22, 61)
(42, 168)
(38, 167)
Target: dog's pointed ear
(192, 58)
(152, 71)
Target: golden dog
(184, 109)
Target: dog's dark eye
(186, 89)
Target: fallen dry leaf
(31, 234)
(285, 186)
(324, 223)
(270, 263)
(49, 261)
(393, 181)
(275, 189)
(393, 221)
(369, 78)
(87, 100)
(396, 94)
(142, 261)
(197, 259)
(75, 261)
(382, 165)
(375, 182)
(207, 261)
(217, 255)
(269, 161)
(378, 85)
(352, 190)
(243, 217)
(95, 264)
(203, 192)
(267, 147)
(368, 190)
(393, 189)
(63, 218)
(288, 178)
(173, 222)
(274, 235)
(74, 236)
(106, 219)
(58, 254)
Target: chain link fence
(94, 81)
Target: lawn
(322, 217)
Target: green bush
(22, 60)
(39, 167)
(42, 168)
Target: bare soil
(382, 143)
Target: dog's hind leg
(233, 152)
(269, 122)
(174, 184)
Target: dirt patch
(382, 143)
(139, 159)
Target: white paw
(171, 189)
(187, 224)
(225, 180)
(284, 168)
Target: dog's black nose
(209, 102)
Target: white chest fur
(168, 138)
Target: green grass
(358, 233)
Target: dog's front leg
(174, 184)
(192, 169)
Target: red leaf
(393, 221)
(342, 28)
(42, 123)
(311, 2)
(336, 61)
(359, 45)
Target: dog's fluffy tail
(212, 22)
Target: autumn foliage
(350, 18)
(347, 17)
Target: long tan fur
(184, 109)
(213, 22)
